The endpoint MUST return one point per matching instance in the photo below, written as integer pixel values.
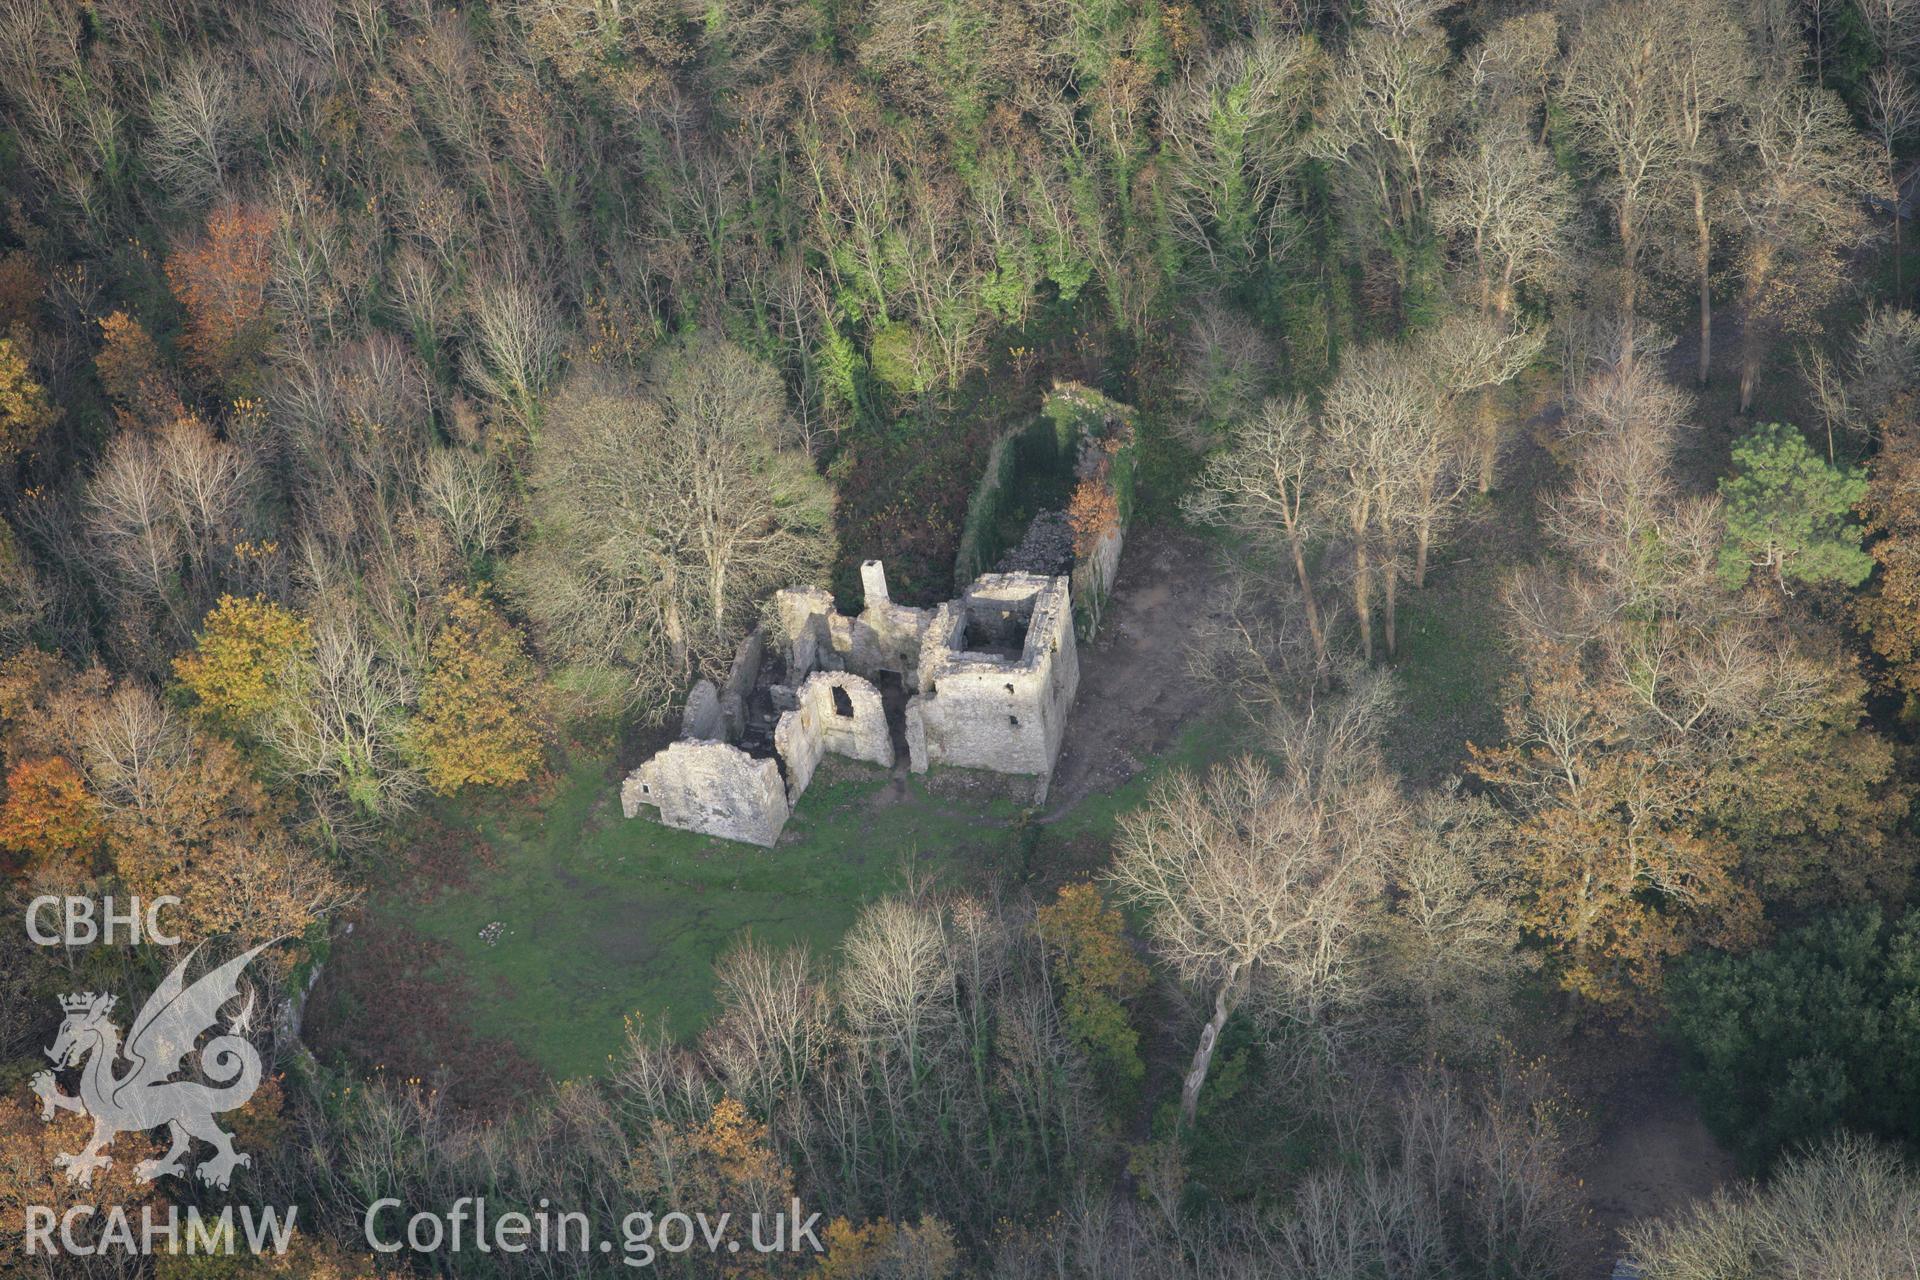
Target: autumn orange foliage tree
(1619, 880)
(29, 1175)
(727, 1162)
(24, 411)
(21, 287)
(199, 825)
(179, 809)
(48, 819)
(134, 376)
(308, 1257)
(1889, 612)
(1094, 510)
(1676, 748)
(221, 280)
(884, 1249)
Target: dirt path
(1651, 1156)
(1135, 690)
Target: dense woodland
(394, 395)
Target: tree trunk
(1703, 259)
(1312, 610)
(1363, 597)
(1753, 339)
(1630, 283)
(1486, 276)
(1899, 268)
(1487, 431)
(1223, 1005)
(1422, 541)
(1390, 587)
(676, 631)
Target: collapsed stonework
(981, 682)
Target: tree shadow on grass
(392, 1005)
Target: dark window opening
(842, 704)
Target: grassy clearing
(601, 918)
(1450, 666)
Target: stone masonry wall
(989, 710)
(853, 725)
(884, 637)
(713, 787)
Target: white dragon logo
(143, 1098)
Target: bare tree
(1612, 93)
(1233, 141)
(1880, 367)
(1226, 366)
(667, 512)
(1262, 487)
(24, 595)
(1895, 27)
(1497, 1155)
(340, 733)
(942, 267)
(1256, 884)
(896, 980)
(1709, 73)
(199, 118)
(1464, 359)
(1512, 71)
(469, 495)
(133, 533)
(1506, 203)
(518, 340)
(1400, 448)
(321, 267)
(1850, 1207)
(1450, 938)
(1821, 17)
(1800, 213)
(1627, 398)
(1382, 121)
(163, 514)
(1893, 120)
(131, 748)
(1376, 419)
(773, 1029)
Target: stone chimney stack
(873, 580)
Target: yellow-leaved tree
(244, 661)
(24, 411)
(481, 720)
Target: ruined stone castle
(981, 682)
